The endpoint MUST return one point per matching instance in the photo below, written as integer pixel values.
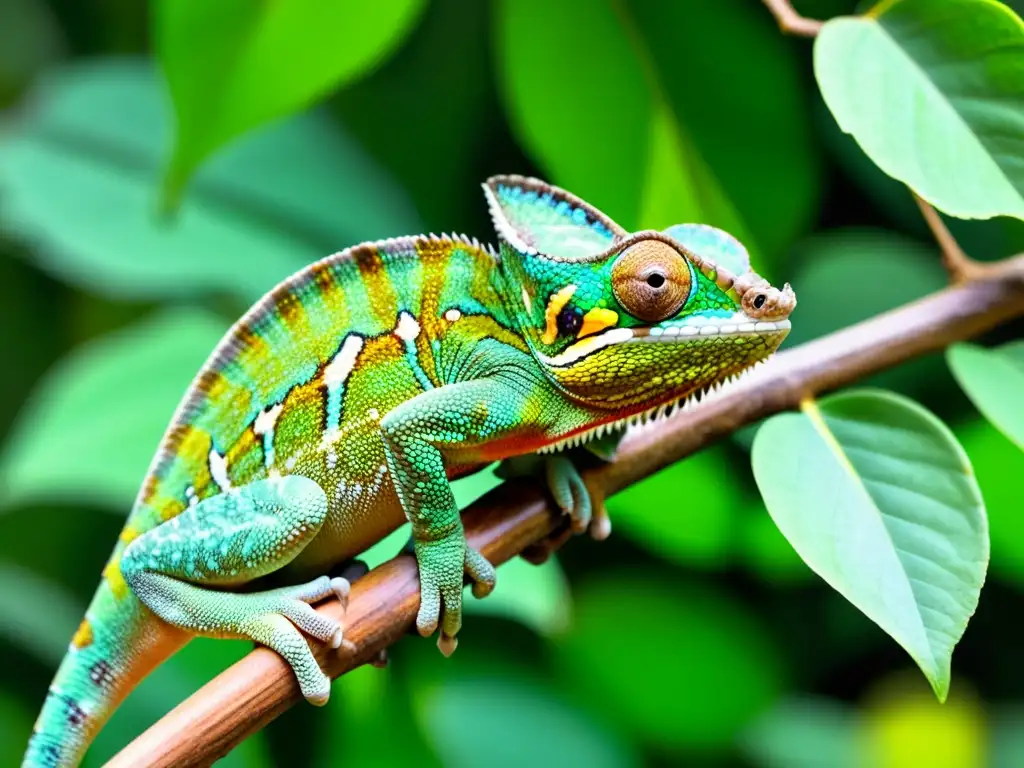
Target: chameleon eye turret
(651, 280)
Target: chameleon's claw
(337, 638)
(447, 644)
(341, 588)
(600, 523)
(381, 659)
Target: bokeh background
(694, 636)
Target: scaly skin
(344, 401)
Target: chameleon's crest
(535, 217)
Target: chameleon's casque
(343, 402)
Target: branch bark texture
(383, 605)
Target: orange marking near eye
(83, 635)
(596, 320)
(558, 300)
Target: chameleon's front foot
(442, 563)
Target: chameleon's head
(625, 320)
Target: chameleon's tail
(117, 644)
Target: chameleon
(345, 401)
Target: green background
(694, 636)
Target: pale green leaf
(994, 380)
(233, 64)
(94, 422)
(879, 499)
(79, 174)
(934, 94)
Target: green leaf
(879, 499)
(234, 64)
(994, 380)
(934, 94)
(78, 179)
(94, 422)
(652, 511)
(690, 647)
(15, 728)
(621, 88)
(371, 723)
(42, 633)
(505, 723)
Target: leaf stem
(792, 22)
(958, 264)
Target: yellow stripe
(558, 300)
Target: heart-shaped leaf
(934, 93)
(994, 380)
(234, 64)
(104, 408)
(79, 174)
(879, 499)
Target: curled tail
(118, 643)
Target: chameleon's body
(344, 401)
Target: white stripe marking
(407, 328)
(219, 470)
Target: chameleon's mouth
(738, 325)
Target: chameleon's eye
(651, 280)
(569, 321)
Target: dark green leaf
(806, 733)
(934, 94)
(41, 632)
(233, 64)
(678, 668)
(693, 527)
(610, 81)
(879, 499)
(994, 380)
(79, 172)
(94, 422)
(508, 724)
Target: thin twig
(248, 695)
(958, 264)
(792, 22)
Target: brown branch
(792, 22)
(958, 264)
(254, 691)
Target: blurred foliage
(695, 635)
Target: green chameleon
(346, 399)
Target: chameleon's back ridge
(342, 404)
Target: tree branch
(792, 22)
(248, 695)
